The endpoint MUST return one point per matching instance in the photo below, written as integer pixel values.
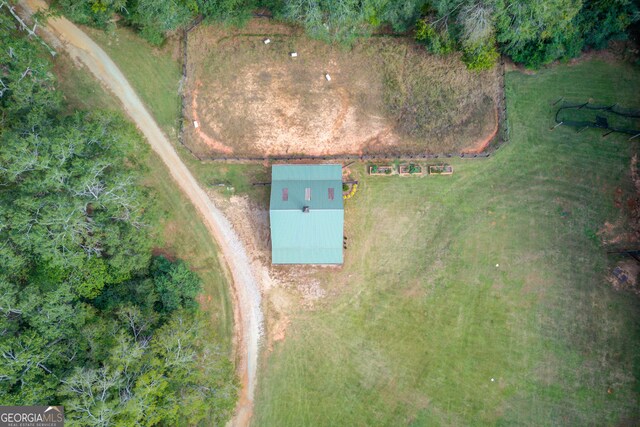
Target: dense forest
(531, 32)
(88, 317)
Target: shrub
(438, 42)
(480, 57)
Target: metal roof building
(307, 214)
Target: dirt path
(247, 309)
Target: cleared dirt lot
(385, 96)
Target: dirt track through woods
(247, 309)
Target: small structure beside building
(307, 214)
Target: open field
(419, 319)
(479, 298)
(385, 96)
(180, 231)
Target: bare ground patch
(383, 96)
(624, 276)
(287, 289)
(624, 231)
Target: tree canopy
(530, 32)
(88, 317)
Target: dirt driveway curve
(247, 309)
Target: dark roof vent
(305, 209)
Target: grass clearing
(229, 178)
(180, 231)
(79, 88)
(494, 272)
(153, 72)
(384, 95)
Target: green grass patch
(79, 88)
(231, 179)
(421, 318)
(153, 72)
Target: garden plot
(384, 96)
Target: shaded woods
(529, 32)
(89, 319)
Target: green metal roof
(306, 172)
(313, 237)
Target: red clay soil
(379, 139)
(218, 146)
(209, 141)
(482, 144)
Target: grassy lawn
(449, 282)
(79, 88)
(229, 178)
(493, 273)
(153, 72)
(179, 230)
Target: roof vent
(305, 209)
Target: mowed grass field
(179, 231)
(480, 298)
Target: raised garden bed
(410, 169)
(381, 170)
(440, 170)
